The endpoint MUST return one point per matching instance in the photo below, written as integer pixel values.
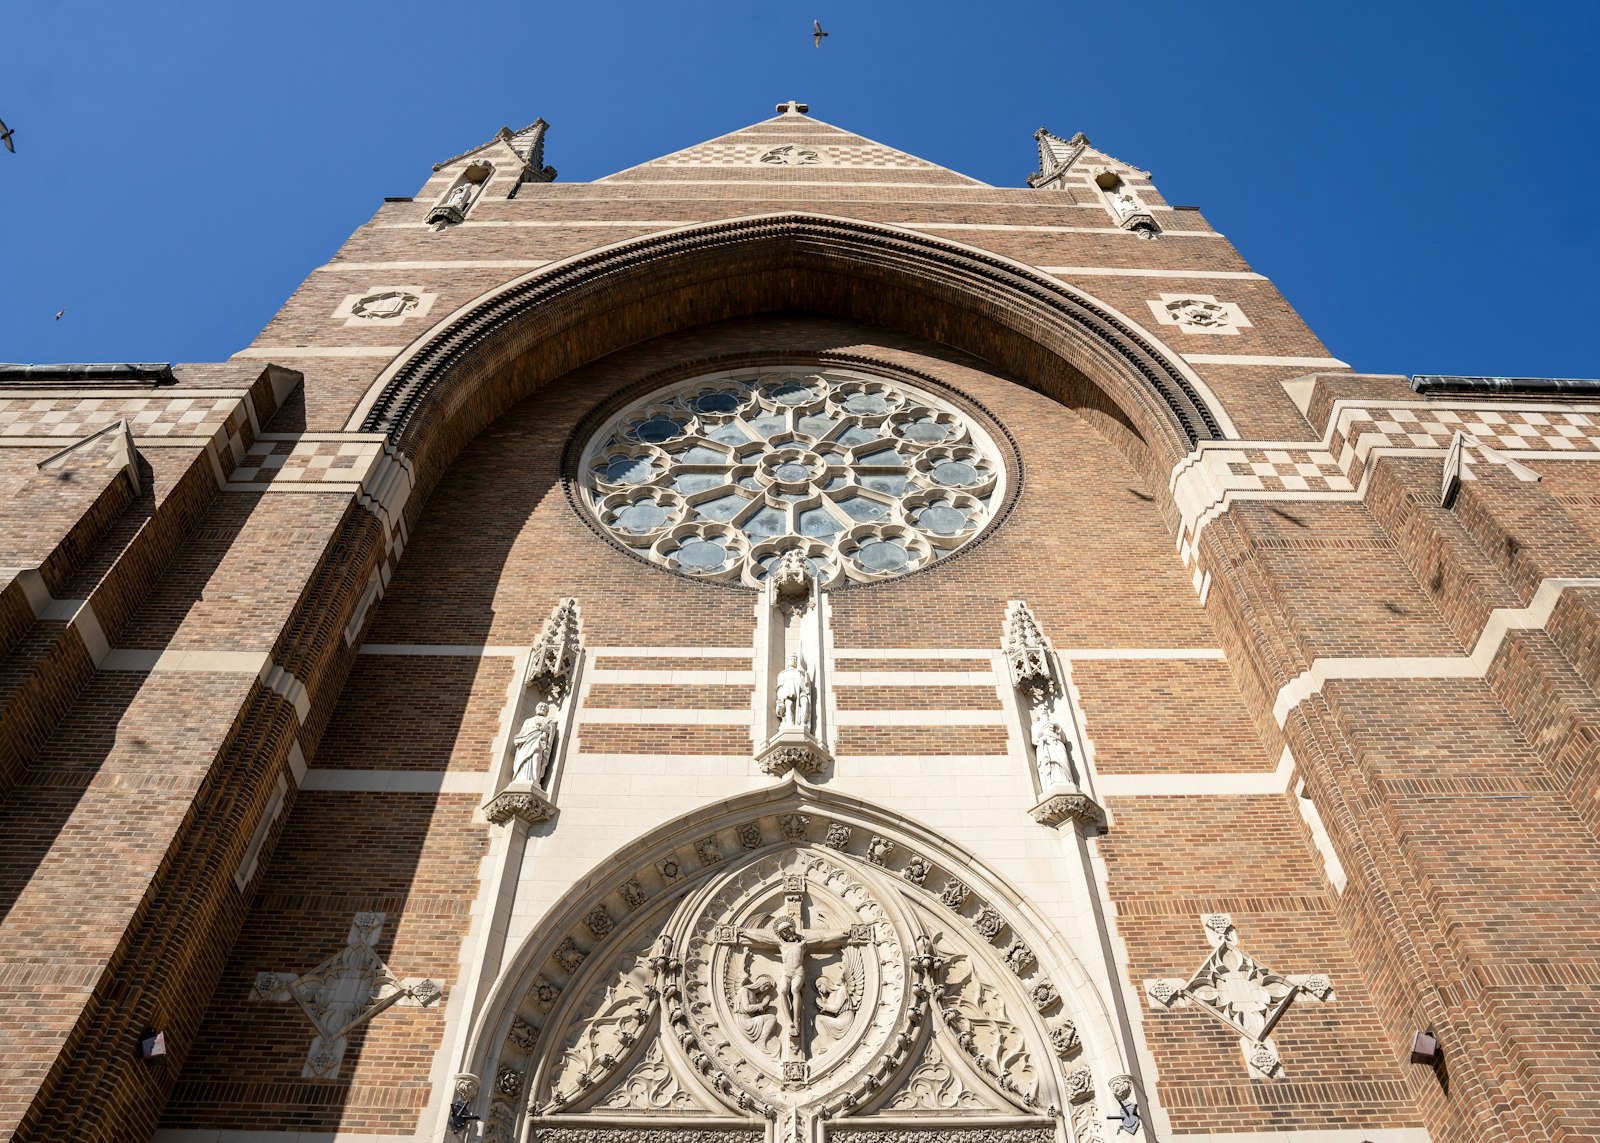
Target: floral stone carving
(1242, 992)
(528, 804)
(1058, 807)
(344, 992)
(785, 986)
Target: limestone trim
(1124, 272)
(1501, 622)
(824, 133)
(1199, 314)
(1263, 359)
(1364, 1135)
(395, 781)
(277, 352)
(384, 305)
(921, 718)
(443, 650)
(1242, 992)
(1358, 433)
(663, 716)
(1152, 382)
(539, 721)
(688, 856)
(740, 678)
(343, 992)
(259, 663)
(1051, 229)
(439, 264)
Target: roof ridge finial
(793, 108)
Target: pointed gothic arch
(654, 987)
(502, 346)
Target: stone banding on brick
(1146, 379)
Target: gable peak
(527, 145)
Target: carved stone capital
(1058, 806)
(519, 800)
(793, 750)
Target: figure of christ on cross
(793, 945)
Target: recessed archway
(628, 970)
(505, 345)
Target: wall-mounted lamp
(153, 1046)
(1424, 1048)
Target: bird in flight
(59, 313)
(5, 137)
(817, 34)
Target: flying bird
(59, 313)
(816, 34)
(5, 137)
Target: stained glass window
(717, 476)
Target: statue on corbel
(542, 717)
(1051, 728)
(791, 631)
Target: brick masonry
(265, 595)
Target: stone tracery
(722, 476)
(691, 1005)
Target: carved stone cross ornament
(344, 992)
(1240, 991)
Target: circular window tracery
(717, 476)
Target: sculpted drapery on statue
(533, 747)
(793, 700)
(1051, 751)
(794, 947)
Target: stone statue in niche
(793, 705)
(1051, 752)
(534, 747)
(461, 198)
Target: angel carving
(839, 995)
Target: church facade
(788, 643)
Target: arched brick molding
(501, 347)
(674, 870)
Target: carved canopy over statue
(784, 985)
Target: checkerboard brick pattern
(829, 155)
(1358, 429)
(269, 461)
(71, 417)
(305, 646)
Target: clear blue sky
(1418, 178)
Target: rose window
(718, 476)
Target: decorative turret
(1056, 156)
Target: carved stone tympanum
(792, 982)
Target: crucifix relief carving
(795, 947)
(344, 992)
(1240, 991)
